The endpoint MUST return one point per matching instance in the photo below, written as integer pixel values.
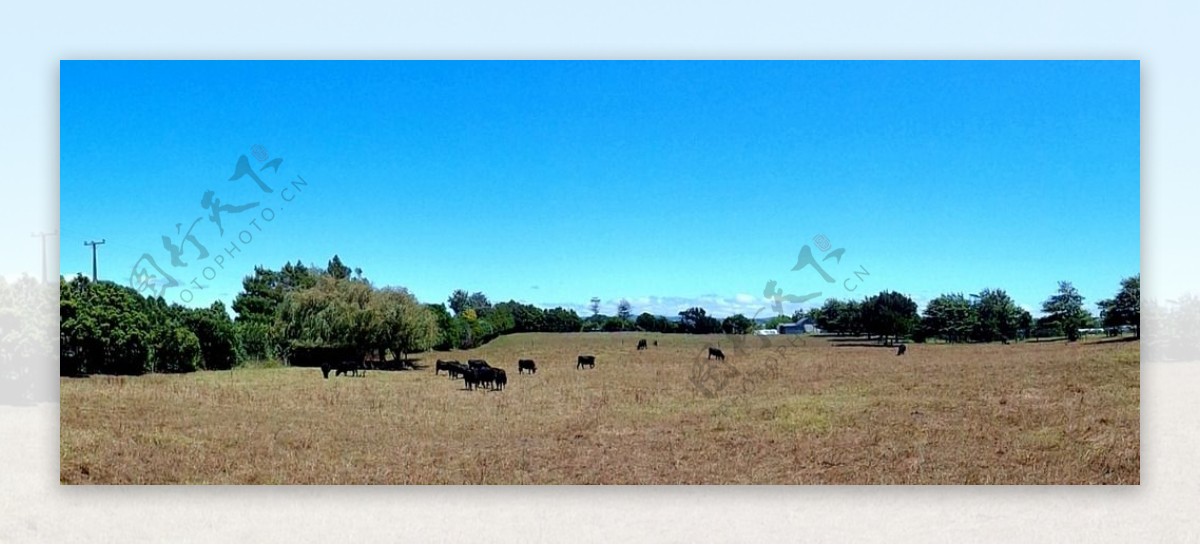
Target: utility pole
(93, 244)
(44, 235)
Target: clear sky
(670, 184)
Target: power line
(44, 235)
(93, 244)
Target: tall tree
(696, 320)
(561, 320)
(1125, 308)
(737, 324)
(889, 315)
(400, 323)
(595, 306)
(997, 316)
(1065, 308)
(459, 301)
(624, 310)
(479, 302)
(645, 322)
(1024, 323)
(337, 269)
(950, 317)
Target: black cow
(487, 376)
(900, 351)
(641, 344)
(471, 379)
(716, 353)
(526, 365)
(477, 364)
(499, 378)
(446, 366)
(457, 369)
(589, 361)
(351, 367)
(656, 343)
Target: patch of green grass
(271, 363)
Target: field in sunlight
(801, 410)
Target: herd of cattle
(479, 374)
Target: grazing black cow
(900, 351)
(477, 364)
(641, 344)
(353, 368)
(440, 366)
(345, 367)
(716, 353)
(526, 365)
(656, 343)
(487, 376)
(499, 378)
(471, 379)
(589, 361)
(457, 369)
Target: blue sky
(670, 184)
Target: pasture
(824, 411)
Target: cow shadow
(866, 345)
(859, 342)
(409, 364)
(1118, 340)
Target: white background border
(1163, 35)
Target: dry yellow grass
(825, 411)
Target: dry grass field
(824, 411)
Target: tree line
(113, 329)
(988, 316)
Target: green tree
(1024, 323)
(402, 324)
(459, 301)
(260, 296)
(1065, 308)
(336, 269)
(479, 302)
(645, 322)
(696, 320)
(105, 327)
(257, 305)
(890, 315)
(333, 313)
(624, 310)
(176, 350)
(775, 322)
(950, 317)
(561, 320)
(526, 318)
(614, 323)
(841, 317)
(214, 330)
(1125, 308)
(737, 324)
(451, 330)
(997, 316)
